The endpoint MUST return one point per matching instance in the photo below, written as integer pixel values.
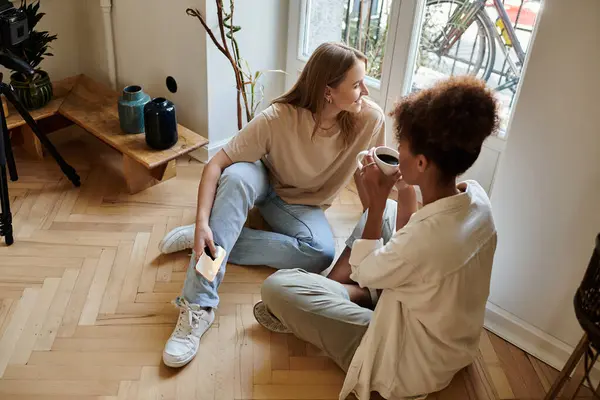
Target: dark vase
(34, 94)
(160, 123)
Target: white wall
(262, 42)
(61, 19)
(156, 38)
(92, 44)
(546, 196)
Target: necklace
(320, 127)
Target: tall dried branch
(236, 55)
(222, 48)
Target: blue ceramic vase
(160, 124)
(131, 109)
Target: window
(362, 24)
(488, 39)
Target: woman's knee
(324, 260)
(388, 224)
(244, 174)
(234, 173)
(278, 287)
(321, 256)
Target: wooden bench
(93, 106)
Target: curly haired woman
(425, 272)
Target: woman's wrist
(201, 220)
(376, 208)
(377, 204)
(372, 230)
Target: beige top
(304, 169)
(435, 275)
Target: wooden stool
(587, 310)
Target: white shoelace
(185, 327)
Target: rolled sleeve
(362, 248)
(252, 142)
(377, 266)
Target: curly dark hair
(448, 123)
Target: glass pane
(488, 39)
(362, 24)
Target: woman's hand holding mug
(378, 176)
(387, 159)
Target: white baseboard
(204, 154)
(530, 339)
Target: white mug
(386, 168)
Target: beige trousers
(317, 309)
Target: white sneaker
(183, 344)
(178, 239)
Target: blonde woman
(290, 162)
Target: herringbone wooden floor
(85, 300)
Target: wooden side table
(93, 106)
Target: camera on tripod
(14, 29)
(13, 25)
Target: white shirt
(435, 275)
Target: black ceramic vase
(160, 123)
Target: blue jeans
(301, 236)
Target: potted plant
(250, 90)
(33, 91)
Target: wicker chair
(587, 310)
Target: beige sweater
(435, 275)
(304, 169)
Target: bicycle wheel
(473, 53)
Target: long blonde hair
(327, 66)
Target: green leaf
(245, 63)
(34, 48)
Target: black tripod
(7, 159)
